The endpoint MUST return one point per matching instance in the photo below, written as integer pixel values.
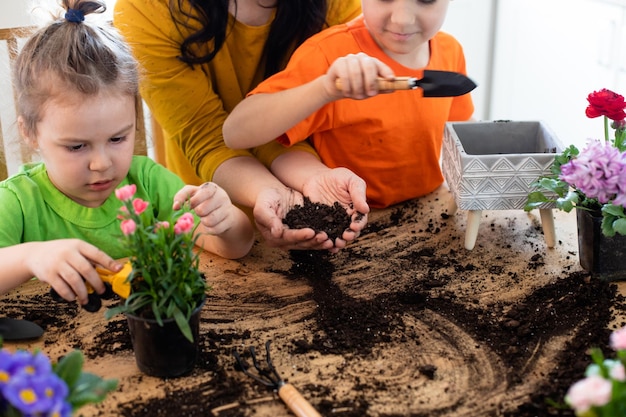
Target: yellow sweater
(192, 104)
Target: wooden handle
(399, 83)
(296, 402)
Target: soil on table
(403, 322)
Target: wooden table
(315, 309)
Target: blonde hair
(70, 54)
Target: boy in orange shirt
(392, 141)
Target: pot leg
(547, 223)
(471, 232)
(452, 207)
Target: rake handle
(296, 402)
(399, 83)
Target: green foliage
(166, 282)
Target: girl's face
(87, 144)
(402, 28)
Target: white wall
(14, 13)
(471, 22)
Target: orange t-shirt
(393, 141)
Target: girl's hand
(65, 264)
(357, 74)
(211, 203)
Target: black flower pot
(163, 351)
(604, 257)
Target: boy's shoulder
(446, 39)
(339, 30)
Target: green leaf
(183, 324)
(613, 210)
(620, 226)
(69, 367)
(89, 389)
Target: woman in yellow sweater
(199, 59)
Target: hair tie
(75, 16)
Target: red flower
(606, 103)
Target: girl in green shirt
(76, 86)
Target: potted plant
(602, 393)
(167, 289)
(30, 385)
(594, 182)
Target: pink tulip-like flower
(617, 340)
(591, 391)
(128, 227)
(184, 224)
(126, 192)
(162, 225)
(139, 205)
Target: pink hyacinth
(184, 224)
(139, 205)
(591, 391)
(126, 192)
(128, 227)
(596, 171)
(617, 340)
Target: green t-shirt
(32, 209)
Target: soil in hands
(333, 220)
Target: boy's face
(87, 144)
(402, 28)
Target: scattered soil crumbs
(333, 220)
(403, 322)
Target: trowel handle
(296, 402)
(399, 83)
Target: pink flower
(596, 171)
(128, 227)
(126, 192)
(184, 224)
(162, 225)
(617, 340)
(591, 391)
(139, 205)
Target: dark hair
(69, 54)
(296, 20)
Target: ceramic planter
(491, 165)
(604, 257)
(163, 351)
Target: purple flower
(38, 393)
(12, 364)
(597, 172)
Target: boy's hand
(358, 74)
(271, 208)
(345, 187)
(65, 264)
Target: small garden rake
(270, 378)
